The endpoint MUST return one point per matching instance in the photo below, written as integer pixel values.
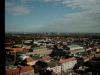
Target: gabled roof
(59, 47)
(7, 43)
(13, 71)
(97, 55)
(19, 70)
(93, 52)
(14, 49)
(26, 68)
(85, 57)
(46, 58)
(95, 46)
(66, 60)
(29, 59)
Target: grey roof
(53, 63)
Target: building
(29, 61)
(74, 47)
(52, 65)
(68, 64)
(27, 70)
(24, 70)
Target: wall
(68, 65)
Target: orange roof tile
(95, 46)
(26, 68)
(7, 47)
(85, 57)
(59, 47)
(66, 60)
(47, 57)
(29, 59)
(93, 52)
(97, 55)
(14, 49)
(8, 72)
(7, 43)
(15, 71)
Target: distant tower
(57, 33)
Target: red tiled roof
(14, 49)
(85, 57)
(93, 52)
(46, 58)
(8, 72)
(66, 60)
(59, 47)
(29, 59)
(7, 43)
(8, 47)
(96, 55)
(26, 68)
(95, 46)
(13, 71)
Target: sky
(70, 16)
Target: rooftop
(66, 60)
(29, 59)
(72, 46)
(26, 68)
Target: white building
(56, 69)
(74, 47)
(67, 64)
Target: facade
(52, 65)
(56, 69)
(95, 62)
(68, 64)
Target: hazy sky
(52, 15)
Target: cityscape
(52, 37)
(52, 54)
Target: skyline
(71, 16)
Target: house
(95, 63)
(67, 64)
(10, 51)
(82, 61)
(46, 59)
(74, 47)
(13, 72)
(52, 65)
(26, 70)
(30, 61)
(47, 64)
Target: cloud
(16, 10)
(25, 28)
(47, 0)
(51, 0)
(88, 20)
(25, 1)
(82, 4)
